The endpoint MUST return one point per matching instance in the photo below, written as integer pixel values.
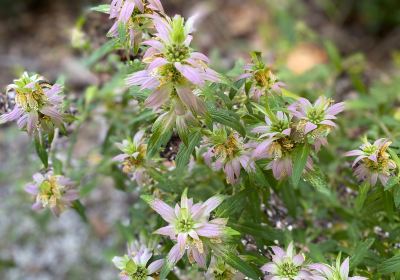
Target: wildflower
(190, 226)
(219, 270)
(373, 161)
(134, 266)
(286, 265)
(229, 153)
(133, 158)
(261, 78)
(173, 67)
(53, 191)
(37, 104)
(278, 145)
(316, 120)
(338, 272)
(131, 13)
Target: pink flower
(53, 191)
(173, 68)
(133, 159)
(338, 272)
(37, 104)
(130, 14)
(286, 265)
(316, 119)
(134, 265)
(373, 162)
(261, 78)
(229, 153)
(189, 226)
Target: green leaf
(122, 32)
(183, 156)
(264, 232)
(161, 133)
(100, 52)
(227, 118)
(232, 205)
(104, 8)
(232, 259)
(41, 151)
(390, 265)
(300, 156)
(362, 195)
(360, 252)
(80, 209)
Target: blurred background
(344, 46)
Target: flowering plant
(262, 164)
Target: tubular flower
(338, 272)
(134, 265)
(316, 120)
(130, 14)
(190, 226)
(229, 153)
(373, 161)
(53, 191)
(133, 158)
(261, 78)
(286, 265)
(37, 104)
(173, 67)
(278, 145)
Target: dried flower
(286, 265)
(37, 104)
(173, 67)
(53, 191)
(134, 266)
(373, 161)
(229, 153)
(338, 272)
(316, 120)
(189, 225)
(133, 158)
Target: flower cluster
(373, 162)
(134, 265)
(316, 120)
(260, 78)
(190, 227)
(285, 132)
(173, 67)
(53, 191)
(287, 265)
(133, 17)
(37, 104)
(227, 151)
(133, 159)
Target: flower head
(53, 191)
(227, 151)
(133, 157)
(130, 14)
(373, 161)
(134, 265)
(37, 104)
(278, 145)
(262, 79)
(173, 67)
(337, 272)
(316, 120)
(286, 265)
(190, 226)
